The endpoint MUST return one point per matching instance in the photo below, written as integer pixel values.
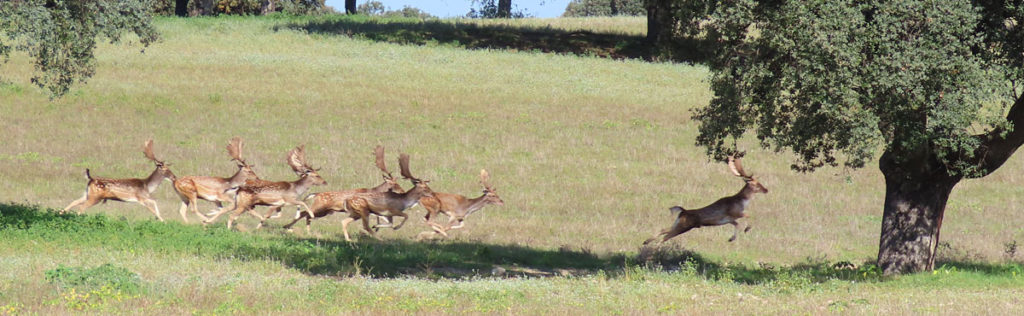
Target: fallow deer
(726, 210)
(326, 203)
(126, 190)
(457, 207)
(213, 189)
(389, 203)
(275, 194)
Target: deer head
(737, 169)
(403, 164)
(490, 194)
(392, 184)
(162, 168)
(297, 160)
(235, 151)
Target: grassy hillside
(587, 153)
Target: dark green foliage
(110, 275)
(61, 35)
(838, 80)
(579, 8)
(376, 8)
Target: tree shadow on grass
(444, 259)
(515, 38)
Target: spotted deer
(275, 194)
(326, 203)
(726, 210)
(214, 189)
(388, 203)
(457, 207)
(126, 190)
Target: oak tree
(929, 87)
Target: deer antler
(297, 160)
(379, 153)
(484, 176)
(235, 149)
(147, 150)
(403, 163)
(737, 167)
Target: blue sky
(451, 8)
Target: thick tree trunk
(912, 217)
(350, 6)
(657, 19)
(614, 7)
(504, 9)
(181, 7)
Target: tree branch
(995, 149)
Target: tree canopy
(60, 36)
(840, 80)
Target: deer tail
(677, 210)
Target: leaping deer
(389, 203)
(275, 194)
(457, 207)
(126, 190)
(213, 189)
(326, 203)
(726, 210)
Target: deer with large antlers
(126, 190)
(726, 210)
(389, 203)
(214, 189)
(326, 203)
(275, 194)
(457, 207)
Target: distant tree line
(580, 8)
(239, 7)
(376, 8)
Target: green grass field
(587, 152)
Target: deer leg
(89, 203)
(289, 226)
(182, 209)
(76, 202)
(270, 212)
(366, 227)
(151, 205)
(405, 217)
(344, 227)
(735, 230)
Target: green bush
(106, 275)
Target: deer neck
(746, 193)
(412, 197)
(300, 186)
(237, 179)
(154, 179)
(476, 204)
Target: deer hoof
(746, 229)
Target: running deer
(457, 207)
(326, 203)
(389, 203)
(214, 189)
(275, 194)
(126, 190)
(726, 210)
